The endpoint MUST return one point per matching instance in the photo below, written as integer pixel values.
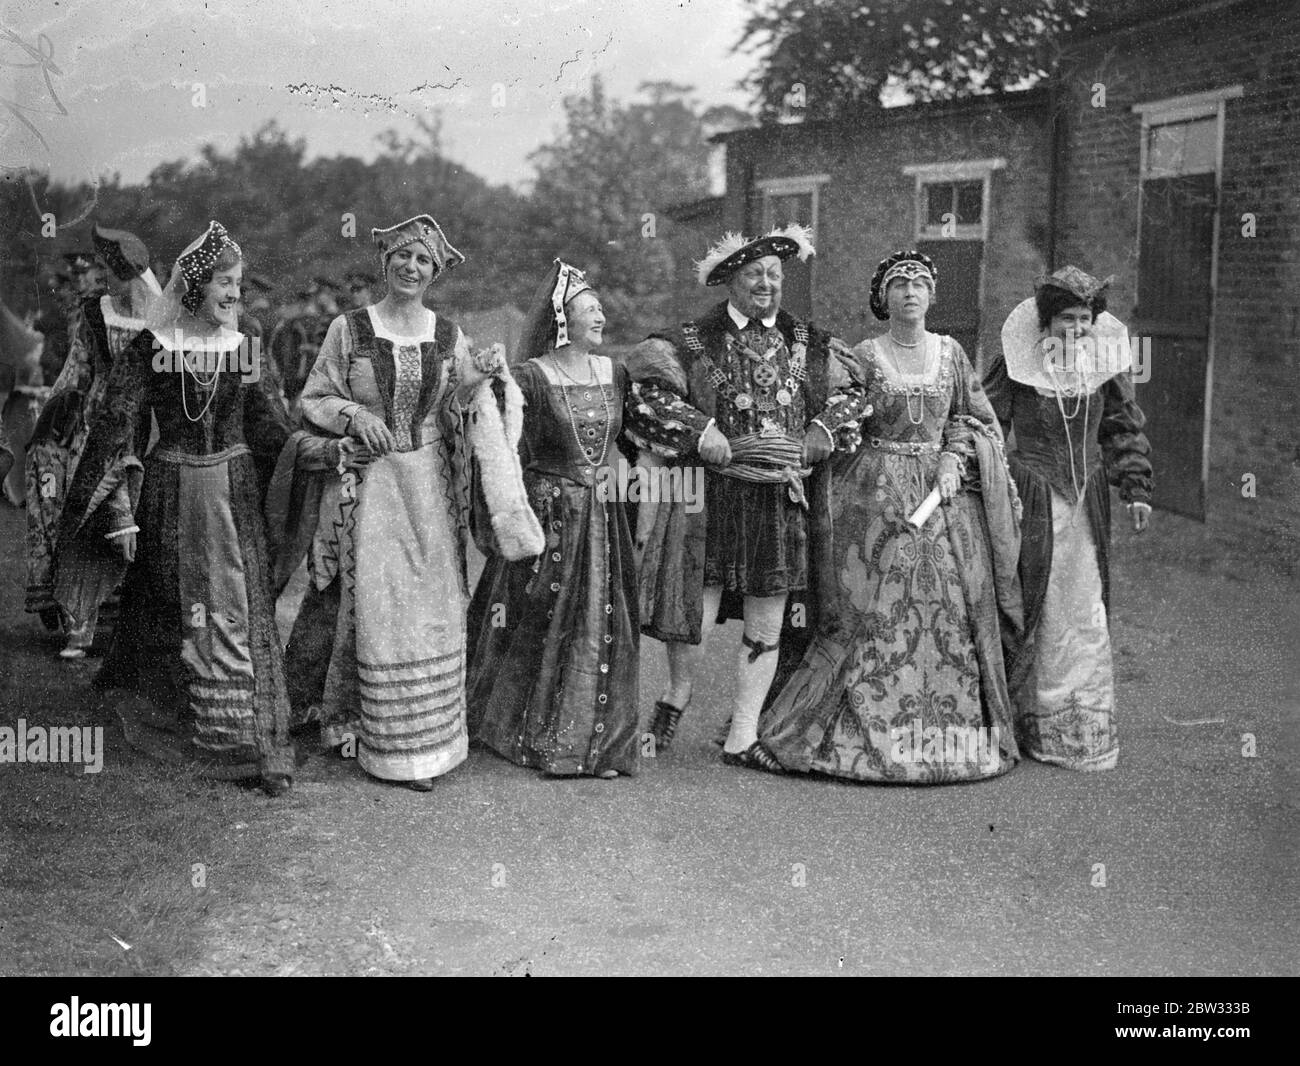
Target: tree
(821, 58)
(601, 185)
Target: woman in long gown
(394, 378)
(1062, 380)
(196, 636)
(553, 674)
(80, 574)
(904, 680)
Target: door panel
(956, 309)
(1174, 304)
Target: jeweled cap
(1074, 281)
(424, 230)
(908, 264)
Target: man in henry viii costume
(768, 398)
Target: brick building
(1165, 150)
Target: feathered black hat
(735, 250)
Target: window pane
(939, 201)
(1177, 148)
(1201, 146)
(780, 209)
(970, 203)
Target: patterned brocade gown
(903, 680)
(554, 659)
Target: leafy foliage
(610, 167)
(821, 58)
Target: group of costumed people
(919, 602)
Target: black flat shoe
(758, 756)
(422, 784)
(663, 724)
(276, 784)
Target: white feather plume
(730, 244)
(801, 235)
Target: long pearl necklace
(201, 384)
(573, 422)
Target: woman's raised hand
(372, 433)
(490, 361)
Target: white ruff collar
(1095, 360)
(115, 321)
(225, 341)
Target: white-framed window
(787, 200)
(1184, 134)
(952, 199)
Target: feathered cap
(123, 252)
(908, 264)
(424, 230)
(547, 321)
(735, 250)
(1074, 281)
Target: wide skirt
(1065, 709)
(553, 671)
(903, 680)
(196, 634)
(396, 679)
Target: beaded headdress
(735, 250)
(569, 282)
(908, 264)
(424, 230)
(196, 262)
(547, 323)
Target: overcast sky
(337, 73)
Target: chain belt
(904, 447)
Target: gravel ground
(697, 868)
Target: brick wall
(1255, 404)
(867, 209)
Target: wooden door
(956, 309)
(1176, 256)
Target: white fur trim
(495, 443)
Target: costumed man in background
(64, 296)
(769, 399)
(22, 392)
(359, 286)
(290, 346)
(256, 302)
(82, 574)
